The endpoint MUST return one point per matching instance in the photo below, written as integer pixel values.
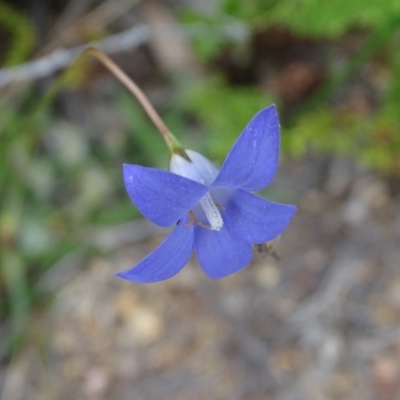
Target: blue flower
(215, 213)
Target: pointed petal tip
(131, 277)
(253, 160)
(271, 107)
(254, 219)
(166, 260)
(291, 208)
(123, 275)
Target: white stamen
(212, 213)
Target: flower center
(212, 213)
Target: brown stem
(136, 91)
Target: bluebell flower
(214, 211)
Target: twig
(68, 29)
(59, 59)
(124, 41)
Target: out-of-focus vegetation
(59, 180)
(22, 35)
(372, 137)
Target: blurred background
(322, 322)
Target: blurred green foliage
(372, 139)
(312, 18)
(317, 18)
(22, 35)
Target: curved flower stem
(169, 138)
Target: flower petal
(253, 160)
(255, 220)
(219, 253)
(161, 196)
(167, 259)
